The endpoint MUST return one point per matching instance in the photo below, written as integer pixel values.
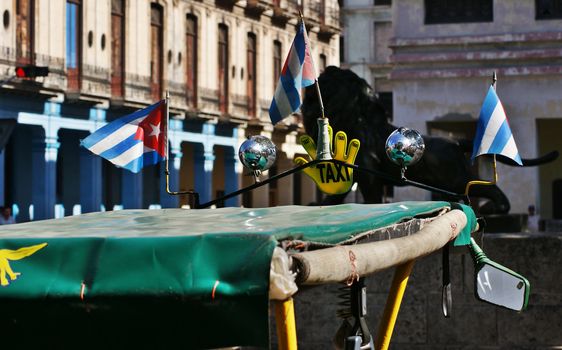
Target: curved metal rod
(258, 184)
(484, 182)
(403, 181)
(380, 174)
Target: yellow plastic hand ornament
(329, 177)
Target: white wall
(525, 99)
(509, 17)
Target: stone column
(91, 170)
(231, 178)
(2, 178)
(131, 190)
(90, 181)
(284, 185)
(204, 159)
(44, 170)
(308, 190)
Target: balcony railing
(55, 64)
(137, 87)
(293, 6)
(240, 106)
(209, 99)
(177, 88)
(316, 11)
(95, 73)
(8, 55)
(137, 81)
(209, 95)
(334, 19)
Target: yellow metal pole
(286, 326)
(392, 307)
(482, 182)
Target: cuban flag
(298, 72)
(493, 135)
(133, 141)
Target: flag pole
(167, 143)
(315, 78)
(323, 149)
(194, 202)
(494, 163)
(319, 97)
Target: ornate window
(191, 60)
(251, 55)
(458, 11)
(117, 47)
(276, 63)
(25, 15)
(342, 48)
(548, 9)
(322, 63)
(73, 43)
(223, 68)
(157, 49)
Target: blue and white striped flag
(298, 72)
(133, 141)
(493, 135)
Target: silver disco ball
(405, 147)
(257, 153)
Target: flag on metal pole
(298, 72)
(133, 141)
(493, 134)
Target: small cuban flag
(493, 135)
(133, 141)
(298, 72)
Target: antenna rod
(167, 141)
(320, 98)
(323, 148)
(494, 81)
(494, 162)
(315, 77)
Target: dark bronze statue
(350, 106)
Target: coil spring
(344, 296)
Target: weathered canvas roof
(208, 267)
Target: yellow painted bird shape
(7, 255)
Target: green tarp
(199, 276)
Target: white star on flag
(155, 130)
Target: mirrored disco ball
(257, 153)
(405, 146)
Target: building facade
(436, 59)
(219, 60)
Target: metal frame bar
(393, 302)
(380, 174)
(286, 325)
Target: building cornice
(539, 37)
(376, 13)
(476, 72)
(476, 56)
(425, 57)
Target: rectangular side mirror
(498, 285)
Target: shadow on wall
(473, 324)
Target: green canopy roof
(201, 275)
